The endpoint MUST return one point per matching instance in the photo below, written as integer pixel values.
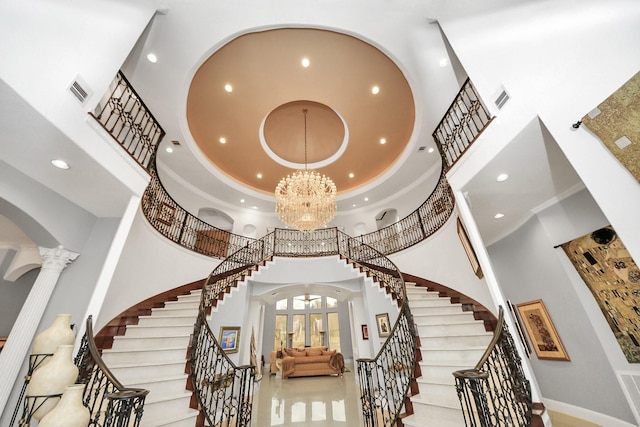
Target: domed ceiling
(246, 108)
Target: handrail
(225, 390)
(465, 119)
(124, 406)
(496, 391)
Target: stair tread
(420, 399)
(164, 420)
(145, 364)
(156, 379)
(139, 350)
(164, 398)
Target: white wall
(529, 268)
(150, 264)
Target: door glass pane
(332, 302)
(281, 305)
(299, 331)
(333, 328)
(315, 326)
(315, 302)
(298, 302)
(281, 332)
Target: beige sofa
(306, 362)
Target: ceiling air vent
(79, 89)
(175, 142)
(422, 148)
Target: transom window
(307, 321)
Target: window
(307, 320)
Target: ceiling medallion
(306, 200)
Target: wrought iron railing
(464, 121)
(418, 225)
(496, 392)
(225, 391)
(110, 403)
(124, 116)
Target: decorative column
(54, 260)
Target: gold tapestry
(618, 124)
(614, 280)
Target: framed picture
(471, 254)
(230, 338)
(165, 213)
(384, 327)
(519, 327)
(365, 332)
(543, 335)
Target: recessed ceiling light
(351, 175)
(502, 177)
(375, 90)
(152, 57)
(353, 205)
(444, 62)
(241, 200)
(255, 207)
(60, 164)
(498, 215)
(223, 140)
(383, 141)
(169, 149)
(228, 88)
(259, 176)
(366, 199)
(431, 150)
(305, 62)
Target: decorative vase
(51, 379)
(69, 412)
(59, 333)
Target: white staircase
(451, 339)
(153, 355)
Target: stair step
(125, 342)
(447, 415)
(165, 320)
(175, 311)
(439, 394)
(467, 356)
(162, 386)
(443, 319)
(156, 407)
(188, 419)
(158, 355)
(153, 331)
(440, 373)
(459, 341)
(469, 328)
(126, 373)
(182, 303)
(429, 302)
(443, 309)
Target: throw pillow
(327, 352)
(314, 352)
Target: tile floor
(323, 401)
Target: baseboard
(586, 414)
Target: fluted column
(54, 260)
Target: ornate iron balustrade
(496, 392)
(225, 391)
(110, 403)
(124, 116)
(432, 214)
(464, 121)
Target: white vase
(69, 412)
(52, 378)
(59, 333)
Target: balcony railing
(464, 121)
(124, 116)
(225, 391)
(496, 392)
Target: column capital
(56, 258)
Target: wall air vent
(79, 89)
(502, 99)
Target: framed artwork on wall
(542, 333)
(471, 254)
(230, 338)
(384, 327)
(365, 332)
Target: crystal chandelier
(306, 200)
